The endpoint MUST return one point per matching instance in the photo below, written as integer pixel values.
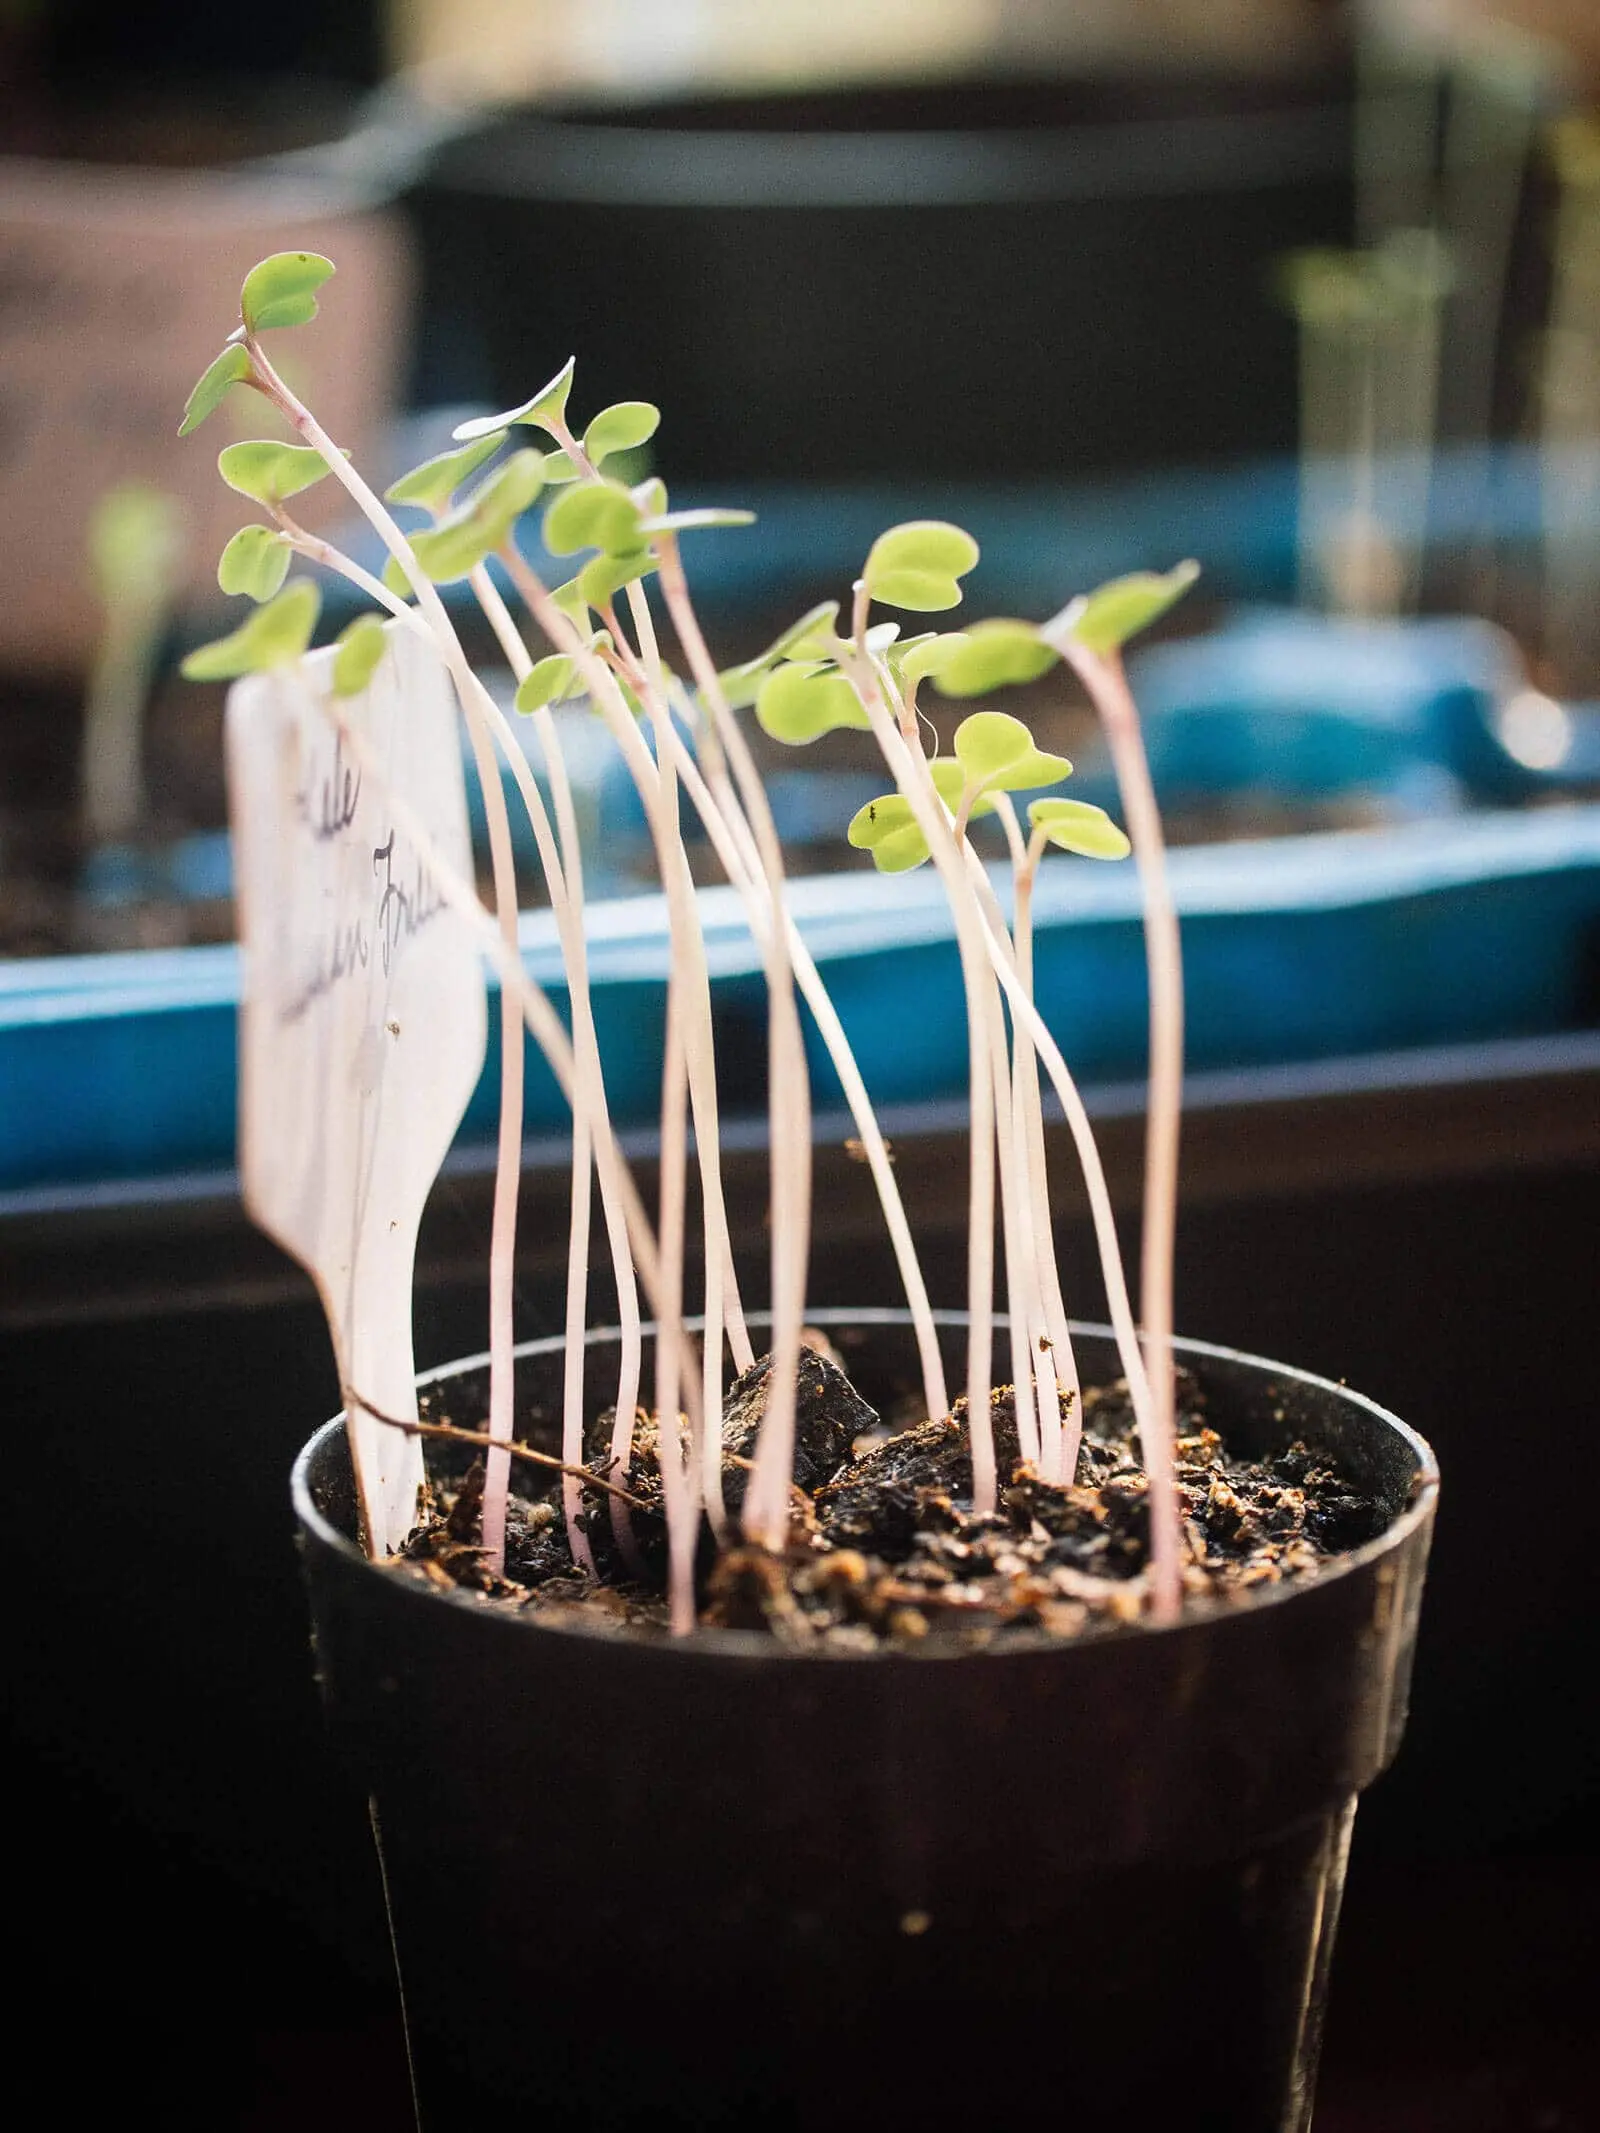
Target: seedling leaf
(547, 683)
(1076, 826)
(255, 562)
(925, 592)
(268, 472)
(601, 579)
(620, 429)
(800, 701)
(360, 647)
(918, 565)
(596, 514)
(814, 636)
(1104, 619)
(990, 655)
(888, 829)
(433, 484)
(921, 656)
(997, 754)
(548, 405)
(482, 522)
(273, 636)
(232, 367)
(569, 598)
(509, 490)
(282, 290)
(693, 521)
(651, 496)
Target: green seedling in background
(136, 557)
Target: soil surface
(884, 1547)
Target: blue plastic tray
(1468, 927)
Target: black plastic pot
(708, 1883)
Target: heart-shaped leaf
(621, 428)
(1077, 827)
(433, 485)
(594, 514)
(547, 682)
(255, 562)
(1104, 619)
(602, 579)
(990, 655)
(997, 754)
(360, 647)
(268, 472)
(918, 565)
(888, 829)
(282, 290)
(799, 702)
(548, 405)
(272, 636)
(232, 367)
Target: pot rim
(728, 1643)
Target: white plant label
(363, 1015)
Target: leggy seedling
(812, 680)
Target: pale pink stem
(1019, 1311)
(1107, 684)
(676, 1497)
(688, 944)
(766, 1509)
(566, 896)
(721, 1286)
(1164, 1566)
(1059, 1374)
(735, 848)
(689, 964)
(912, 777)
(573, 1355)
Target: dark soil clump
(884, 1548)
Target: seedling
(682, 740)
(135, 555)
